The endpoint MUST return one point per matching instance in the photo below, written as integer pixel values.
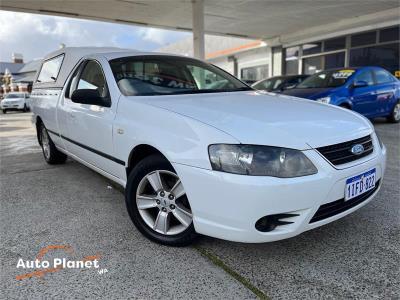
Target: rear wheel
(394, 116)
(50, 152)
(4, 111)
(157, 203)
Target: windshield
(269, 84)
(168, 75)
(326, 79)
(14, 96)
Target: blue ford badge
(357, 149)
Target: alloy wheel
(396, 112)
(45, 143)
(162, 203)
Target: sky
(35, 35)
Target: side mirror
(87, 96)
(360, 83)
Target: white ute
(200, 152)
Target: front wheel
(394, 116)
(50, 152)
(157, 203)
(4, 111)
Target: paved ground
(42, 205)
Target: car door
(385, 90)
(90, 127)
(363, 98)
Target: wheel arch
(140, 152)
(346, 104)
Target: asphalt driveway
(71, 206)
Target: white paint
(182, 127)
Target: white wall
(223, 63)
(255, 57)
(250, 58)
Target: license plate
(360, 184)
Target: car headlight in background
(260, 161)
(325, 100)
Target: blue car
(370, 91)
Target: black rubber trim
(105, 155)
(336, 207)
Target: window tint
(334, 60)
(50, 69)
(312, 48)
(385, 56)
(205, 79)
(14, 96)
(294, 81)
(382, 76)
(325, 79)
(335, 44)
(363, 39)
(73, 82)
(164, 75)
(312, 65)
(92, 77)
(389, 34)
(292, 60)
(264, 85)
(365, 76)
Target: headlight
(325, 100)
(260, 161)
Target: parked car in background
(15, 101)
(198, 151)
(370, 91)
(278, 84)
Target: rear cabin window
(50, 69)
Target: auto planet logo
(42, 266)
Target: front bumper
(15, 105)
(227, 206)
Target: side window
(382, 76)
(277, 83)
(90, 76)
(73, 81)
(50, 69)
(365, 76)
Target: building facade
(17, 76)
(251, 60)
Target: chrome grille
(339, 154)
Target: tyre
(157, 203)
(50, 152)
(346, 106)
(4, 111)
(394, 116)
